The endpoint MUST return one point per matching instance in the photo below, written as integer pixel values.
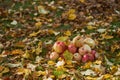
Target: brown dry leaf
(19, 44)
(17, 51)
(1, 68)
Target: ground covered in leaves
(28, 30)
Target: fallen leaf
(67, 33)
(107, 76)
(68, 56)
(72, 16)
(71, 11)
(19, 44)
(14, 22)
(17, 51)
(82, 1)
(38, 25)
(90, 27)
(108, 37)
(33, 34)
(62, 38)
(11, 65)
(101, 30)
(88, 72)
(1, 46)
(41, 10)
(21, 71)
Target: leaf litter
(28, 30)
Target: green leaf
(67, 55)
(58, 73)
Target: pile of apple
(81, 48)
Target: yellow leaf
(69, 62)
(114, 69)
(108, 37)
(33, 34)
(26, 55)
(107, 76)
(51, 62)
(71, 11)
(90, 78)
(39, 73)
(5, 70)
(38, 50)
(61, 68)
(38, 24)
(98, 62)
(67, 33)
(40, 43)
(72, 16)
(87, 65)
(90, 27)
(52, 76)
(105, 36)
(17, 51)
(62, 38)
(82, 1)
(114, 47)
(21, 71)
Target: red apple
(85, 58)
(6, 78)
(81, 51)
(93, 52)
(54, 55)
(91, 57)
(90, 42)
(72, 48)
(77, 57)
(78, 41)
(85, 49)
(59, 47)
